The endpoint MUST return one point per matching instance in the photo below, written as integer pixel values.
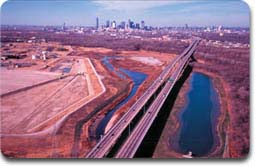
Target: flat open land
(12, 80)
(34, 98)
(29, 109)
(61, 99)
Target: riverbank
(152, 73)
(222, 88)
(167, 143)
(119, 62)
(87, 138)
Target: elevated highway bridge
(165, 82)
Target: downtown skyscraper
(97, 23)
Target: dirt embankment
(76, 129)
(152, 73)
(75, 135)
(167, 143)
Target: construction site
(60, 94)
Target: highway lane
(133, 142)
(109, 139)
(111, 136)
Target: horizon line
(190, 26)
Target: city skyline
(125, 79)
(231, 13)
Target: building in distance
(97, 23)
(123, 25)
(137, 26)
(142, 24)
(107, 24)
(114, 24)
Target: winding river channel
(137, 78)
(197, 132)
(198, 119)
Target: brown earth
(61, 117)
(152, 72)
(40, 109)
(23, 78)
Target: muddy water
(137, 78)
(198, 118)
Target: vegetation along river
(137, 78)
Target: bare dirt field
(150, 56)
(65, 112)
(12, 80)
(147, 60)
(39, 96)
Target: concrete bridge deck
(103, 147)
(134, 140)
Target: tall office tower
(186, 26)
(97, 23)
(64, 26)
(128, 23)
(126, 26)
(122, 25)
(107, 23)
(131, 24)
(114, 24)
(142, 24)
(137, 26)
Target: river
(137, 78)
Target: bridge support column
(129, 128)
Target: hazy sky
(155, 13)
